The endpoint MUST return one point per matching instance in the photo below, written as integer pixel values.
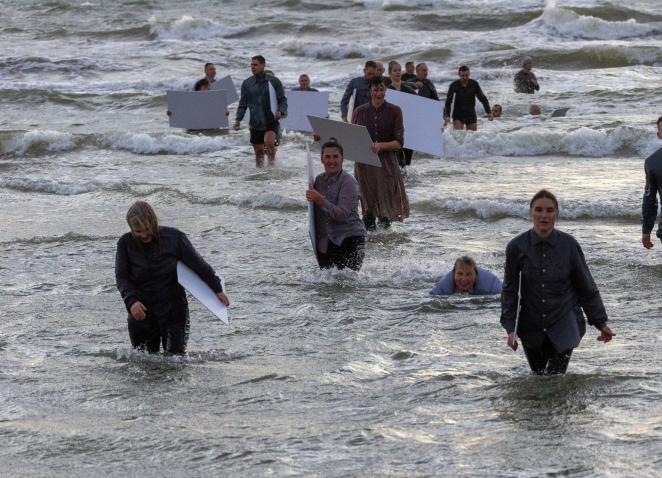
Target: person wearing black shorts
(461, 98)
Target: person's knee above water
(460, 103)
(549, 269)
(339, 231)
(467, 278)
(264, 123)
(146, 276)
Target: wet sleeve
(191, 258)
(483, 99)
(127, 289)
(510, 287)
(649, 201)
(344, 102)
(445, 285)
(533, 77)
(348, 199)
(449, 100)
(282, 99)
(492, 284)
(399, 131)
(433, 91)
(587, 292)
(243, 103)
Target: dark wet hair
(463, 68)
(333, 143)
(260, 59)
(466, 261)
(544, 194)
(409, 63)
(141, 214)
(370, 64)
(200, 83)
(659, 120)
(379, 81)
(208, 64)
(420, 65)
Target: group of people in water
(547, 286)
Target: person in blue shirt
(360, 84)
(467, 278)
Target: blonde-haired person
(556, 285)
(467, 278)
(146, 276)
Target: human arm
(281, 99)
(483, 99)
(128, 290)
(586, 290)
(433, 91)
(243, 104)
(509, 299)
(534, 81)
(648, 206)
(449, 101)
(445, 286)
(344, 102)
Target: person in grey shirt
(339, 230)
(556, 285)
(653, 169)
(360, 84)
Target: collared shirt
(338, 218)
(255, 96)
(653, 169)
(360, 84)
(555, 281)
(384, 123)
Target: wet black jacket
(148, 272)
(465, 100)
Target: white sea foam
(143, 143)
(51, 186)
(270, 200)
(190, 28)
(323, 50)
(37, 141)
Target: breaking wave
(190, 28)
(322, 50)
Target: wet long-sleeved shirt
(524, 82)
(255, 97)
(465, 99)
(486, 283)
(338, 218)
(360, 84)
(653, 169)
(556, 282)
(428, 90)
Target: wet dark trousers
(546, 360)
(370, 222)
(170, 331)
(349, 254)
(404, 157)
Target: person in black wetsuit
(146, 276)
(461, 97)
(653, 169)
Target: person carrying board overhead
(146, 276)
(339, 231)
(549, 269)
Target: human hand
(313, 196)
(316, 137)
(418, 84)
(235, 126)
(512, 341)
(376, 147)
(138, 311)
(223, 298)
(606, 334)
(344, 118)
(278, 116)
(490, 117)
(646, 241)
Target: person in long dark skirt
(556, 285)
(146, 276)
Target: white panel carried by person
(198, 110)
(423, 122)
(300, 104)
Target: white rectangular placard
(201, 291)
(355, 139)
(273, 101)
(227, 85)
(300, 104)
(311, 207)
(423, 121)
(198, 109)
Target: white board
(226, 84)
(423, 121)
(311, 206)
(354, 139)
(198, 109)
(201, 291)
(300, 104)
(273, 101)
(350, 106)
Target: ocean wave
(474, 22)
(583, 142)
(68, 237)
(37, 142)
(485, 208)
(50, 186)
(267, 200)
(323, 50)
(143, 143)
(566, 23)
(39, 64)
(190, 28)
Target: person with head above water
(425, 87)
(360, 85)
(339, 231)
(383, 193)
(525, 80)
(497, 111)
(535, 110)
(467, 278)
(210, 76)
(304, 84)
(264, 123)
(146, 276)
(649, 212)
(410, 72)
(461, 98)
(201, 85)
(556, 285)
(379, 68)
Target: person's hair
(370, 64)
(208, 64)
(497, 105)
(260, 59)
(527, 60)
(466, 261)
(141, 214)
(409, 63)
(379, 81)
(391, 64)
(420, 65)
(304, 74)
(200, 83)
(333, 143)
(463, 68)
(544, 194)
(659, 120)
